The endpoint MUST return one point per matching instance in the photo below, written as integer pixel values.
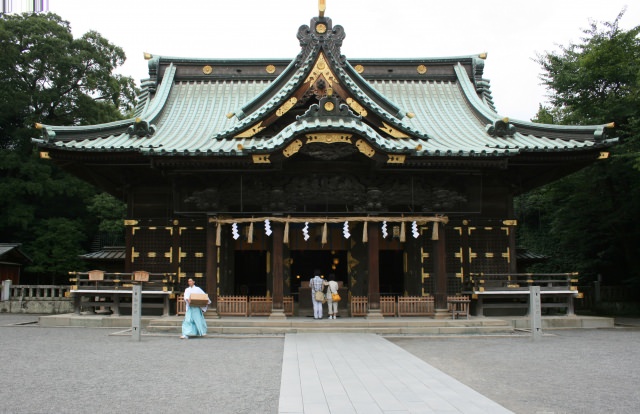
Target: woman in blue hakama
(194, 323)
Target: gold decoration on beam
(321, 28)
(207, 70)
(510, 222)
(365, 148)
(396, 159)
(251, 131)
(261, 158)
(287, 106)
(130, 222)
(328, 138)
(392, 131)
(44, 155)
(321, 68)
(603, 155)
(357, 108)
(292, 148)
(359, 68)
(329, 106)
(270, 69)
(421, 69)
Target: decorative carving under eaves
(320, 150)
(284, 108)
(501, 128)
(292, 148)
(396, 159)
(365, 148)
(261, 159)
(392, 131)
(328, 138)
(248, 133)
(321, 70)
(355, 105)
(141, 128)
(331, 107)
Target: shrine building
(396, 175)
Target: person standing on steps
(332, 287)
(194, 323)
(316, 284)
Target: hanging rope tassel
(250, 235)
(285, 240)
(365, 235)
(434, 234)
(324, 234)
(402, 231)
(218, 234)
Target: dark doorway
(391, 273)
(304, 262)
(250, 273)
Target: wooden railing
(359, 305)
(415, 305)
(258, 305)
(388, 306)
(233, 305)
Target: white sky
(511, 31)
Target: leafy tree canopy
(587, 222)
(47, 76)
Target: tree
(47, 76)
(587, 221)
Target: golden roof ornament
(322, 6)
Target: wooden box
(199, 299)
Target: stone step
(246, 326)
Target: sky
(512, 32)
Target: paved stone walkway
(364, 373)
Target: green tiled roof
(183, 112)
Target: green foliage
(587, 222)
(47, 76)
(109, 211)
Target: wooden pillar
(374, 272)
(277, 270)
(441, 274)
(211, 271)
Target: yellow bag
(335, 297)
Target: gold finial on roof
(322, 6)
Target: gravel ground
(581, 371)
(82, 370)
(73, 370)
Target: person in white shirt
(316, 284)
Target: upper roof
(11, 253)
(269, 109)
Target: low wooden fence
(395, 306)
(242, 305)
(415, 306)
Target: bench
(113, 290)
(512, 290)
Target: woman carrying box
(194, 323)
